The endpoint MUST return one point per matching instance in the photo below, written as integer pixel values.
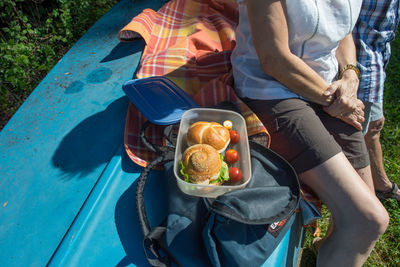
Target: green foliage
(33, 37)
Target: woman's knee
(353, 205)
(372, 219)
(380, 219)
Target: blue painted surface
(67, 188)
(107, 231)
(56, 146)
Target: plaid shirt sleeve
(374, 31)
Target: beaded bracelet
(349, 67)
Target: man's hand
(345, 94)
(346, 106)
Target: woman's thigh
(306, 136)
(349, 138)
(297, 134)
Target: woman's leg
(309, 139)
(360, 219)
(366, 176)
(352, 143)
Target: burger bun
(202, 163)
(211, 133)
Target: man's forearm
(346, 55)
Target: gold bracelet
(349, 67)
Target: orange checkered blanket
(190, 42)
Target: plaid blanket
(190, 42)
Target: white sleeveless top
(315, 29)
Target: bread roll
(211, 133)
(202, 163)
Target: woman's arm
(269, 30)
(270, 36)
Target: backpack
(238, 228)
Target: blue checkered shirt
(374, 30)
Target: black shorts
(307, 136)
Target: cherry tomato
(235, 174)
(231, 156)
(235, 136)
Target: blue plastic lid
(159, 99)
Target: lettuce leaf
(183, 172)
(223, 172)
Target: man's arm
(346, 52)
(346, 55)
(346, 106)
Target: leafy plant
(34, 35)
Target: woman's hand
(354, 118)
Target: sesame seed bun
(202, 162)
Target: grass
(387, 250)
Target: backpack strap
(151, 247)
(146, 142)
(166, 154)
(153, 243)
(153, 238)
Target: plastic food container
(213, 115)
